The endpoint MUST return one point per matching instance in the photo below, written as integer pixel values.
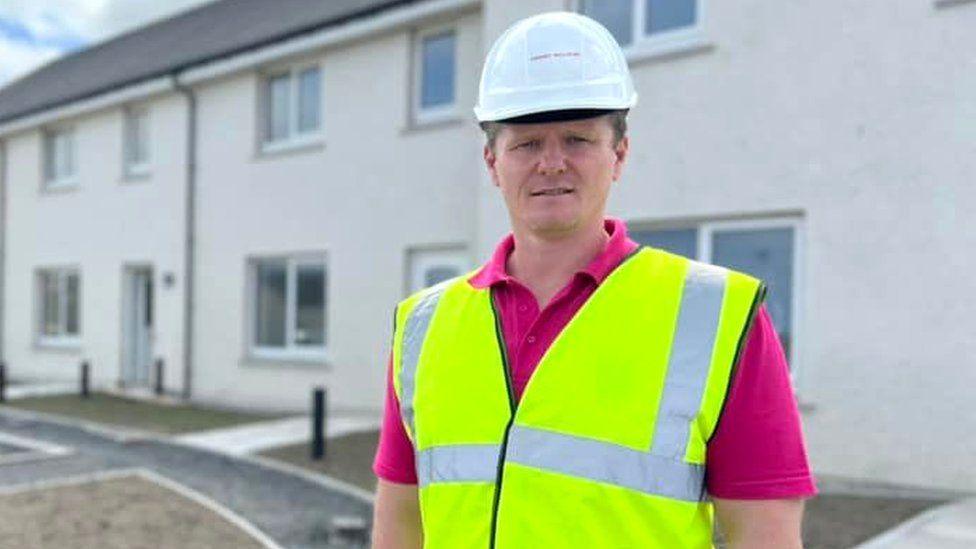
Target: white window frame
(141, 169)
(706, 231)
(59, 181)
(63, 339)
(290, 352)
(643, 45)
(430, 115)
(295, 139)
(420, 258)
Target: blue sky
(33, 32)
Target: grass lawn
(348, 458)
(136, 414)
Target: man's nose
(553, 160)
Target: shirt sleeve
(394, 461)
(757, 450)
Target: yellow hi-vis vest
(606, 448)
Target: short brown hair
(617, 119)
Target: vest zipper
(511, 419)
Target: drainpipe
(3, 240)
(190, 231)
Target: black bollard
(3, 381)
(85, 371)
(159, 377)
(318, 423)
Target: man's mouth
(555, 191)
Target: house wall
(105, 222)
(377, 186)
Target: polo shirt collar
(618, 247)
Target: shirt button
(530, 339)
(523, 308)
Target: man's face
(555, 177)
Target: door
(138, 323)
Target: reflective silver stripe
(458, 463)
(604, 462)
(414, 332)
(690, 359)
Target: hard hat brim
(562, 115)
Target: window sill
(264, 359)
(62, 186)
(650, 50)
(62, 345)
(136, 174)
(951, 3)
(276, 148)
(417, 126)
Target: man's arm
(396, 517)
(768, 523)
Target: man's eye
(578, 139)
(526, 144)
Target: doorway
(137, 326)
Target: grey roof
(189, 38)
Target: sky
(33, 32)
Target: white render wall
(376, 187)
(856, 117)
(99, 226)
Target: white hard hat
(556, 61)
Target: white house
(245, 194)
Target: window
(58, 302)
(639, 24)
(428, 267)
(289, 297)
(292, 107)
(436, 75)
(59, 158)
(765, 249)
(136, 142)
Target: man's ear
(620, 151)
(490, 158)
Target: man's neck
(545, 264)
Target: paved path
(952, 526)
(254, 437)
(295, 510)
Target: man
(578, 391)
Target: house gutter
(190, 234)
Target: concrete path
(951, 526)
(40, 389)
(254, 437)
(295, 510)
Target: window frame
(290, 351)
(663, 43)
(135, 170)
(50, 181)
(441, 113)
(62, 339)
(705, 232)
(417, 256)
(295, 138)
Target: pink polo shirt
(757, 451)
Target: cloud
(33, 32)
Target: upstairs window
(59, 158)
(436, 63)
(136, 142)
(634, 21)
(292, 107)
